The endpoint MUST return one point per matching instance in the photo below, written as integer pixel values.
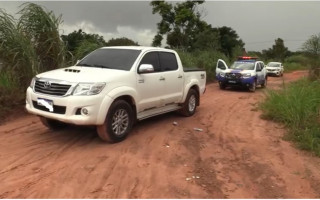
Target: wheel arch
(130, 100)
(195, 87)
(125, 93)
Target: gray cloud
(106, 15)
(258, 23)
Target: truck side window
(168, 61)
(153, 59)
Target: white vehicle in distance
(275, 68)
(112, 87)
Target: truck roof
(141, 48)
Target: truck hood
(78, 74)
(272, 67)
(241, 71)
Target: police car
(246, 72)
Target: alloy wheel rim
(120, 122)
(192, 103)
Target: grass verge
(297, 106)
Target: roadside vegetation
(298, 107)
(298, 104)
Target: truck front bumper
(79, 110)
(276, 73)
(242, 82)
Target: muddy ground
(237, 155)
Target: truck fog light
(84, 111)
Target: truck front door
(150, 85)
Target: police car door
(221, 67)
(259, 73)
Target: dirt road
(237, 155)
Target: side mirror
(145, 68)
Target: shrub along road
(237, 155)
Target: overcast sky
(258, 23)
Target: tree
(79, 39)
(312, 48)
(230, 42)
(312, 45)
(180, 23)
(277, 52)
(208, 40)
(122, 42)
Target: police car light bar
(247, 58)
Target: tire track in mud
(237, 155)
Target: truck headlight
(33, 81)
(222, 74)
(88, 88)
(246, 75)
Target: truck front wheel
(190, 104)
(118, 122)
(265, 82)
(222, 86)
(253, 86)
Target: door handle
(162, 79)
(180, 76)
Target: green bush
(296, 62)
(297, 106)
(206, 60)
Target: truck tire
(252, 87)
(222, 86)
(265, 82)
(53, 124)
(118, 122)
(190, 104)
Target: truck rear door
(173, 76)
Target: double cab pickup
(113, 87)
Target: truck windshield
(121, 59)
(273, 64)
(242, 65)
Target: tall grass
(16, 49)
(30, 44)
(42, 27)
(297, 106)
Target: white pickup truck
(112, 87)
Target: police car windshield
(242, 65)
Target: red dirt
(237, 155)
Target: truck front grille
(233, 76)
(51, 88)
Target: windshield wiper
(84, 64)
(102, 66)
